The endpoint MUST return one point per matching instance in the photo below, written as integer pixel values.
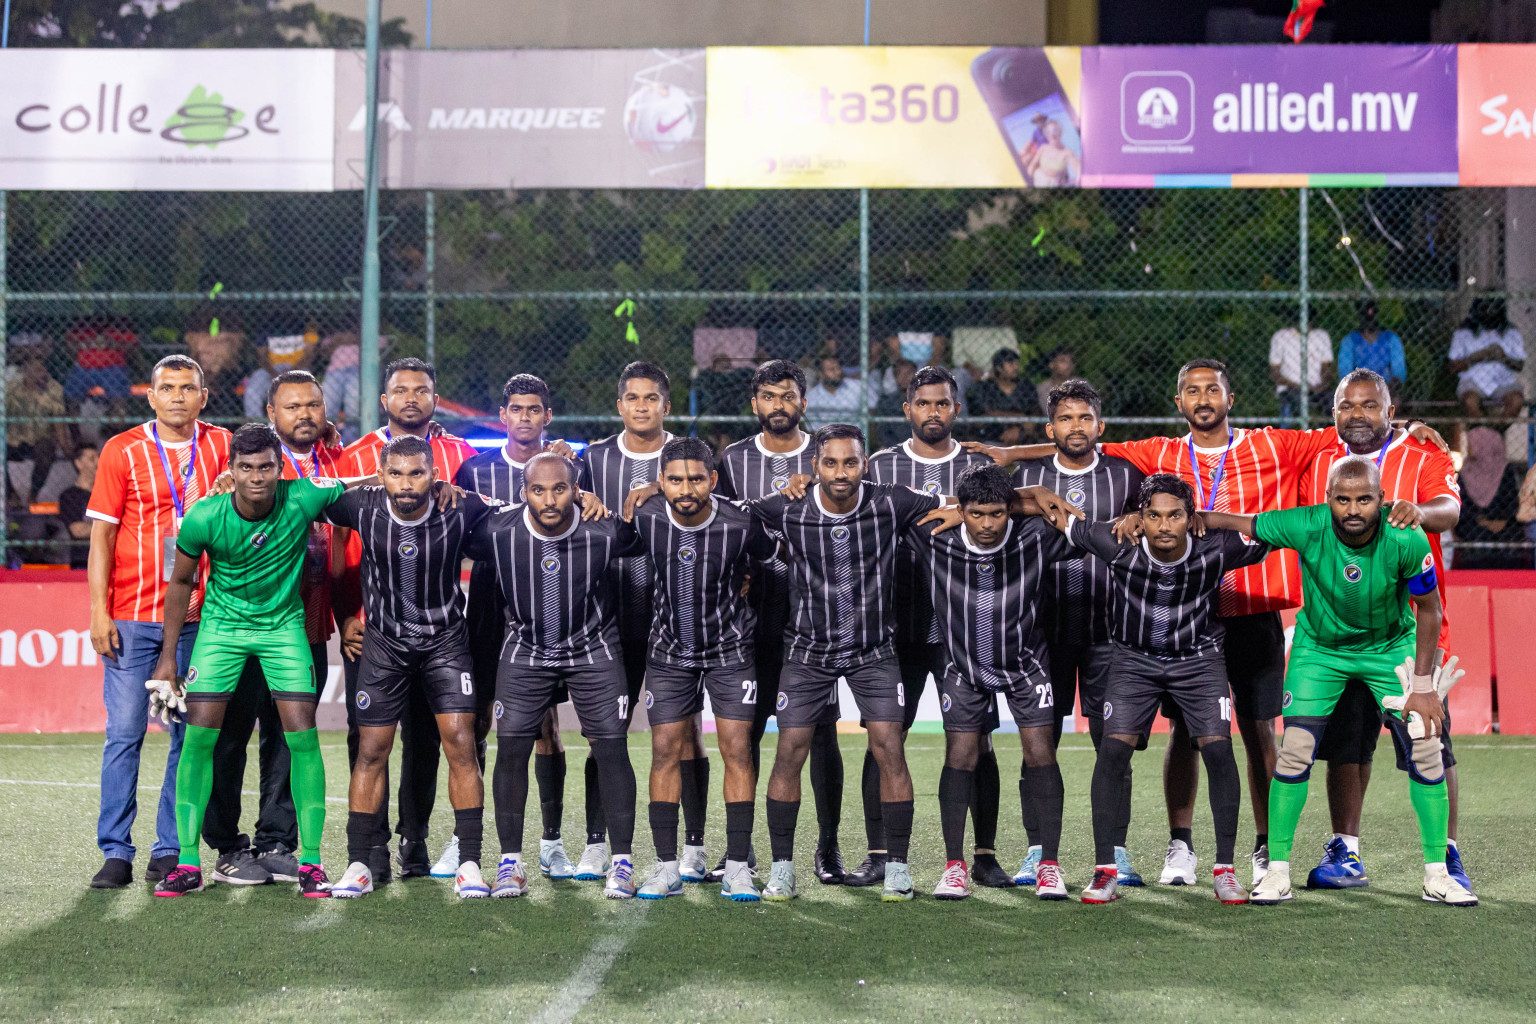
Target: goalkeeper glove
(167, 699)
(1443, 678)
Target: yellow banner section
(893, 117)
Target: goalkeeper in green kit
(1371, 613)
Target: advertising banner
(50, 676)
(893, 117)
(1269, 115)
(501, 119)
(203, 120)
(1497, 93)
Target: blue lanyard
(1382, 455)
(1221, 471)
(298, 467)
(177, 499)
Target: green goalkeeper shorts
(1315, 678)
(218, 658)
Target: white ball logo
(658, 118)
(1157, 108)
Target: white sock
(1452, 844)
(1351, 843)
(511, 857)
(1218, 867)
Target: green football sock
(1432, 806)
(194, 781)
(1286, 800)
(307, 775)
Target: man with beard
(759, 467)
(1419, 484)
(1373, 614)
(296, 407)
(930, 461)
(1075, 613)
(408, 403)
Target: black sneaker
(180, 881)
(313, 883)
(239, 867)
(414, 862)
(160, 867)
(871, 872)
(114, 874)
(716, 873)
(380, 865)
(829, 866)
(280, 864)
(985, 870)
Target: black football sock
(509, 787)
(469, 826)
(738, 830)
(549, 771)
(596, 827)
(986, 800)
(1108, 779)
(898, 828)
(664, 829)
(695, 773)
(874, 828)
(1027, 807)
(1260, 839)
(827, 782)
(1225, 795)
(1048, 794)
(617, 785)
(782, 816)
(1184, 834)
(954, 801)
(1123, 817)
(360, 833)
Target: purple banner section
(1181, 110)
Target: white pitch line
(588, 977)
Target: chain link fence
(485, 284)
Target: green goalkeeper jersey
(1355, 599)
(255, 565)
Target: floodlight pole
(368, 347)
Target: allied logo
(363, 700)
(839, 533)
(1352, 572)
(258, 540)
(945, 702)
(1077, 496)
(1285, 701)
(550, 564)
(1157, 108)
(496, 709)
(782, 702)
(687, 555)
(407, 549)
(1109, 709)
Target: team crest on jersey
(192, 675)
(931, 487)
(945, 702)
(1285, 701)
(496, 709)
(780, 482)
(650, 700)
(839, 533)
(1352, 572)
(550, 564)
(1077, 496)
(1109, 709)
(363, 700)
(985, 568)
(407, 549)
(782, 702)
(686, 556)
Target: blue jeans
(127, 702)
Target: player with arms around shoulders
(1372, 614)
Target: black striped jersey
(1075, 593)
(1167, 609)
(841, 570)
(915, 623)
(559, 605)
(610, 470)
(494, 475)
(747, 471)
(410, 570)
(702, 619)
(984, 599)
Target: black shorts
(1080, 666)
(1255, 653)
(916, 663)
(525, 692)
(440, 665)
(967, 709)
(673, 693)
(636, 654)
(768, 659)
(1353, 728)
(806, 690)
(1139, 683)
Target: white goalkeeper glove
(1444, 678)
(167, 699)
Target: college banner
(473, 119)
(1269, 115)
(201, 120)
(1497, 89)
(893, 117)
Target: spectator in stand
(215, 339)
(722, 391)
(1003, 394)
(33, 397)
(834, 399)
(100, 373)
(1490, 506)
(1287, 364)
(1527, 513)
(73, 501)
(965, 375)
(1063, 368)
(1489, 355)
(890, 404)
(342, 393)
(1372, 347)
(278, 356)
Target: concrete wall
(673, 23)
